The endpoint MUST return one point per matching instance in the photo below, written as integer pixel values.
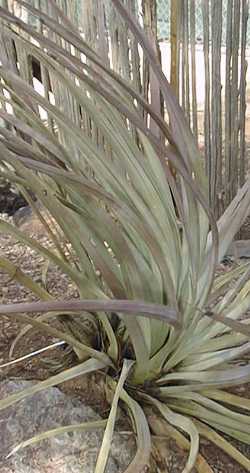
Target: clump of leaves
(144, 283)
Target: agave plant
(140, 246)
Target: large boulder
(68, 453)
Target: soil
(36, 368)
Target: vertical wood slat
(193, 69)
(228, 92)
(242, 112)
(135, 57)
(182, 74)
(124, 50)
(3, 56)
(207, 110)
(243, 167)
(91, 19)
(185, 80)
(63, 97)
(216, 124)
(44, 71)
(134, 61)
(8, 55)
(235, 96)
(103, 48)
(175, 45)
(186, 57)
(145, 64)
(150, 20)
(89, 28)
(118, 32)
(114, 38)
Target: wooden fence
(219, 123)
(224, 111)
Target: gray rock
(68, 453)
(239, 249)
(22, 215)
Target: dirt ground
(36, 368)
(57, 284)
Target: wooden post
(193, 69)
(216, 124)
(150, 25)
(175, 45)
